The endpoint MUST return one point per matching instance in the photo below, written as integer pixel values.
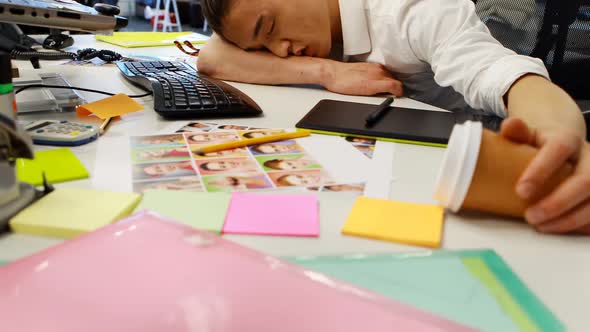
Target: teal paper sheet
(476, 288)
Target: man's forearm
(543, 105)
(224, 61)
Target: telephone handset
(12, 38)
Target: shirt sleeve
(463, 54)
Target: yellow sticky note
(69, 212)
(112, 106)
(59, 165)
(409, 223)
(145, 39)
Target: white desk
(556, 268)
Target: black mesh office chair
(556, 31)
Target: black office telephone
(12, 38)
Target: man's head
(158, 170)
(259, 133)
(220, 165)
(223, 153)
(270, 148)
(287, 164)
(227, 181)
(284, 27)
(299, 180)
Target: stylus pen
(103, 127)
(379, 112)
(253, 141)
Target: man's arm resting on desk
(552, 121)
(225, 61)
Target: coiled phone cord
(84, 54)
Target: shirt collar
(355, 31)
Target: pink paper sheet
(273, 214)
(147, 274)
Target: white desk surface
(556, 268)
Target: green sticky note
(59, 165)
(204, 211)
(69, 212)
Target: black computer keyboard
(181, 92)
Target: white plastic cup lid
(460, 159)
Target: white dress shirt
(439, 49)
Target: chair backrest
(556, 31)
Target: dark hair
(205, 166)
(273, 163)
(249, 134)
(214, 11)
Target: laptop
(58, 14)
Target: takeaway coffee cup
(481, 168)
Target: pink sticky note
(273, 214)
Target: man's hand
(365, 79)
(567, 208)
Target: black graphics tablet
(404, 125)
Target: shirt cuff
(499, 77)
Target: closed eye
(272, 27)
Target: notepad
(69, 212)
(273, 214)
(409, 223)
(204, 211)
(147, 39)
(116, 105)
(59, 165)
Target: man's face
(302, 179)
(284, 27)
(222, 153)
(223, 165)
(274, 148)
(256, 134)
(293, 164)
(200, 138)
(159, 169)
(151, 154)
(228, 181)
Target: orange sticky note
(112, 106)
(416, 224)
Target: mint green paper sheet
(204, 211)
(476, 288)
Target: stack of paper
(116, 105)
(69, 212)
(59, 165)
(204, 211)
(147, 39)
(410, 223)
(273, 214)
